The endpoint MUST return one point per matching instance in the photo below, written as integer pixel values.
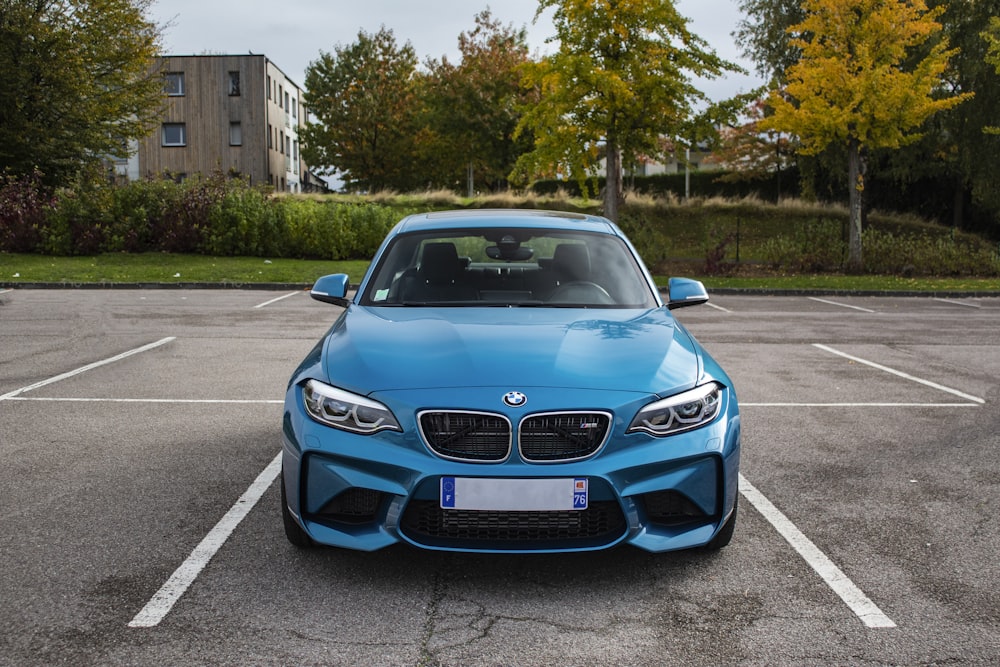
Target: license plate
(514, 495)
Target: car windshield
(508, 267)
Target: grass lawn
(166, 268)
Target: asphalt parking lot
(139, 523)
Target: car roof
(487, 218)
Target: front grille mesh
(560, 437)
(470, 436)
(426, 522)
(485, 437)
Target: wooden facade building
(230, 113)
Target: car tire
(724, 536)
(293, 531)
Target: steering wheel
(582, 292)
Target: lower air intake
(353, 506)
(427, 523)
(670, 508)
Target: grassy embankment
(727, 244)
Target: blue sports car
(509, 381)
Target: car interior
(509, 269)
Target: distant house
(697, 160)
(231, 113)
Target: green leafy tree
(77, 83)
(855, 85)
(362, 106)
(472, 108)
(957, 150)
(763, 35)
(969, 150)
(618, 85)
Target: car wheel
(293, 531)
(724, 536)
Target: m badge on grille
(514, 399)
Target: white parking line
(901, 374)
(163, 601)
(858, 405)
(712, 305)
(83, 369)
(276, 299)
(842, 305)
(959, 303)
(853, 597)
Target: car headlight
(679, 413)
(344, 410)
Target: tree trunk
(613, 182)
(856, 188)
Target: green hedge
(214, 215)
(222, 216)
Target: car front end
(500, 402)
(658, 471)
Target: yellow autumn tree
(860, 82)
(621, 82)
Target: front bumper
(368, 492)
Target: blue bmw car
(509, 381)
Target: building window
(235, 134)
(174, 134)
(288, 107)
(294, 108)
(234, 83)
(281, 144)
(270, 136)
(281, 91)
(173, 84)
(288, 146)
(268, 86)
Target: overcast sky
(294, 32)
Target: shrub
(236, 221)
(139, 213)
(81, 220)
(716, 246)
(924, 254)
(368, 225)
(816, 245)
(24, 204)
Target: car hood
(382, 349)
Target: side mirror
(331, 289)
(685, 292)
